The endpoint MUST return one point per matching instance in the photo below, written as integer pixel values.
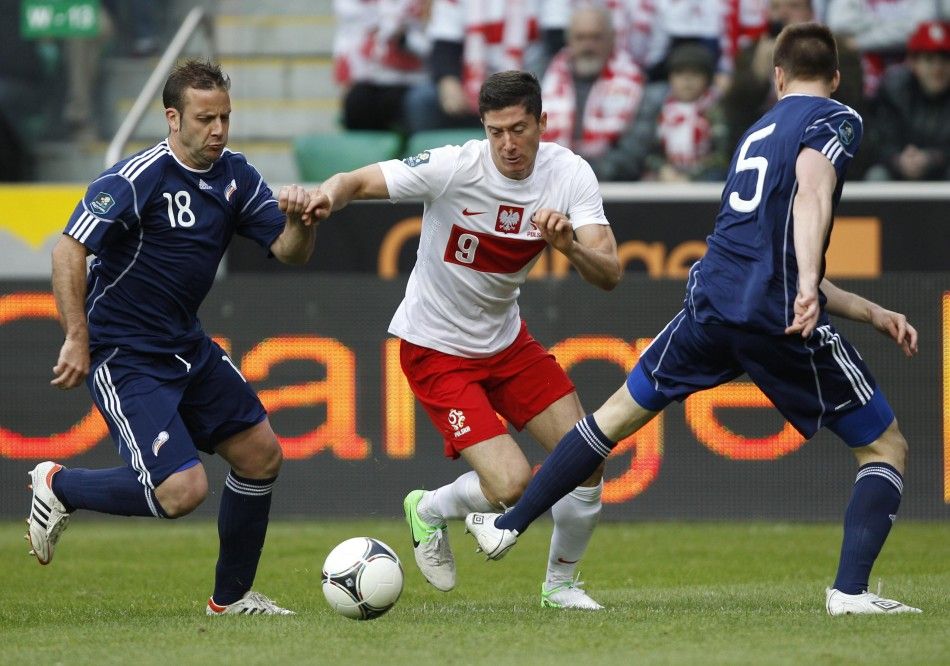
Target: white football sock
(575, 516)
(455, 500)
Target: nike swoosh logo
(466, 212)
(563, 561)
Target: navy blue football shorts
(163, 408)
(814, 383)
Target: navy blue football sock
(116, 490)
(871, 512)
(242, 526)
(573, 460)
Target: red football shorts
(465, 396)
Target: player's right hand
(555, 228)
(72, 367)
(806, 311)
(292, 199)
(319, 206)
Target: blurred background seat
(443, 137)
(323, 154)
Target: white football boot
(252, 603)
(492, 541)
(865, 603)
(567, 595)
(48, 517)
(430, 545)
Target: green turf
(133, 592)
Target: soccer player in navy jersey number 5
(158, 224)
(758, 303)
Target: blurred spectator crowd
(645, 90)
(649, 90)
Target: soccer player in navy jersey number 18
(158, 224)
(758, 303)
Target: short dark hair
(806, 51)
(511, 88)
(198, 74)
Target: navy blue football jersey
(159, 230)
(749, 274)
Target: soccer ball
(362, 578)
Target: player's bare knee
(260, 459)
(269, 461)
(181, 494)
(894, 447)
(267, 464)
(890, 448)
(186, 502)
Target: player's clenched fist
(292, 200)
(555, 228)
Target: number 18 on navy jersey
(159, 230)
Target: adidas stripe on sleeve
(836, 136)
(107, 208)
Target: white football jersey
(478, 242)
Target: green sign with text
(59, 18)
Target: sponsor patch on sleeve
(102, 203)
(416, 160)
(846, 133)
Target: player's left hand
(895, 326)
(555, 228)
(292, 200)
(319, 205)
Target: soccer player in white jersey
(158, 223)
(491, 207)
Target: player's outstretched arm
(69, 289)
(337, 191)
(592, 248)
(857, 308)
(295, 244)
(811, 211)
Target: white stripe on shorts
(113, 407)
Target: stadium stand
(278, 54)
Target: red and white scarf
(355, 20)
(685, 131)
(497, 33)
(611, 105)
(746, 21)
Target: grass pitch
(133, 592)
